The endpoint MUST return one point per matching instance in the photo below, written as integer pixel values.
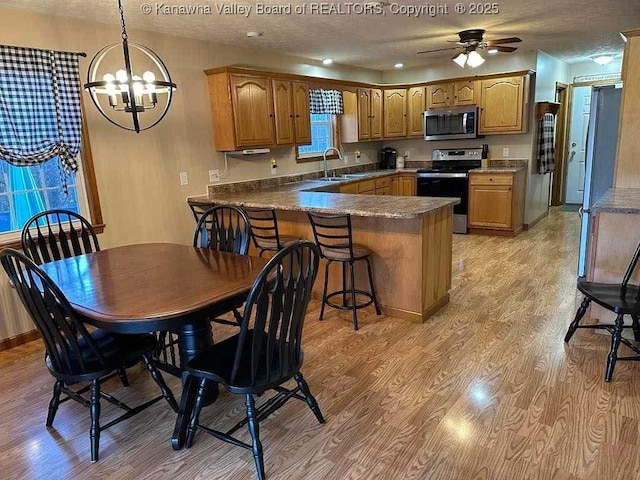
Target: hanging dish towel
(546, 141)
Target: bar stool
(333, 235)
(264, 230)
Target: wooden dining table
(153, 287)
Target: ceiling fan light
(461, 59)
(475, 59)
(602, 59)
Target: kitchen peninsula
(410, 236)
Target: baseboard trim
(529, 226)
(21, 339)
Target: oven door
(448, 185)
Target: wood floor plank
(485, 390)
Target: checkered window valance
(40, 116)
(326, 101)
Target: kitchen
(149, 187)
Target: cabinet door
(416, 109)
(407, 186)
(384, 190)
(252, 110)
(301, 113)
(439, 96)
(490, 206)
(464, 93)
(395, 186)
(364, 113)
(502, 105)
(283, 111)
(350, 188)
(395, 113)
(376, 113)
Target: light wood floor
(485, 390)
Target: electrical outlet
(184, 179)
(274, 166)
(357, 156)
(406, 155)
(505, 152)
(214, 175)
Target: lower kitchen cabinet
(404, 184)
(400, 184)
(496, 202)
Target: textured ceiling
(571, 30)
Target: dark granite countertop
(619, 200)
(498, 170)
(318, 196)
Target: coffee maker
(388, 157)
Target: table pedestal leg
(192, 339)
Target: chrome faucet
(324, 159)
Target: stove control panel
(456, 154)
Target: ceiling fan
(470, 42)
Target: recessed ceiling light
(603, 59)
(492, 51)
(398, 65)
(327, 61)
(254, 34)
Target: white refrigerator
(602, 139)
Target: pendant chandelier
(130, 101)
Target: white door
(580, 108)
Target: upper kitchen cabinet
(439, 96)
(362, 118)
(503, 103)
(395, 112)
(464, 93)
(252, 110)
(416, 98)
(291, 110)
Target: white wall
(592, 68)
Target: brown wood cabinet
(464, 93)
(407, 184)
(398, 184)
(256, 110)
(503, 103)
(439, 96)
(362, 118)
(416, 106)
(496, 202)
(291, 112)
(395, 113)
(376, 114)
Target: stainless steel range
(449, 177)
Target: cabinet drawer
(491, 179)
(366, 186)
(383, 190)
(383, 182)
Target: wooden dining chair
(263, 356)
(73, 354)
(619, 298)
(226, 229)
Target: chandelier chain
(124, 28)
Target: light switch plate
(184, 178)
(214, 175)
(505, 152)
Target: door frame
(564, 97)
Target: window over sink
(323, 135)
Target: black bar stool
(333, 235)
(264, 230)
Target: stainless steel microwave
(451, 123)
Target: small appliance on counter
(449, 177)
(388, 157)
(485, 155)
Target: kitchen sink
(355, 175)
(332, 179)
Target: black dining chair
(226, 229)
(619, 298)
(73, 354)
(264, 230)
(264, 355)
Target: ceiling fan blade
(501, 41)
(438, 50)
(505, 49)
